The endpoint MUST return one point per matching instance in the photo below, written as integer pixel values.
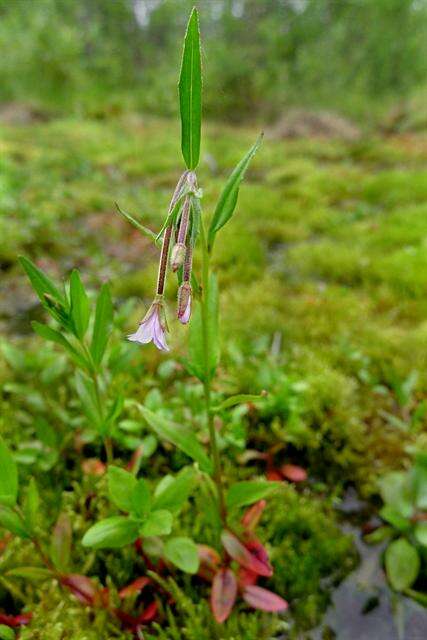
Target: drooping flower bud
(184, 302)
(178, 256)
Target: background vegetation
(103, 56)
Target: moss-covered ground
(323, 274)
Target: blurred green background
(260, 56)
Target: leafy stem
(210, 414)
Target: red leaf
(223, 594)
(243, 556)
(294, 473)
(274, 475)
(260, 598)
(209, 561)
(82, 587)
(149, 613)
(246, 577)
(257, 549)
(134, 587)
(136, 457)
(15, 621)
(253, 514)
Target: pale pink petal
(151, 329)
(185, 316)
(145, 331)
(159, 336)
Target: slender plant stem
(207, 382)
(108, 443)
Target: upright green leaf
(173, 494)
(203, 349)
(46, 332)
(158, 523)
(102, 326)
(41, 284)
(8, 476)
(190, 93)
(121, 485)
(180, 436)
(141, 499)
(183, 553)
(80, 310)
(87, 394)
(144, 230)
(111, 533)
(247, 492)
(402, 564)
(12, 522)
(228, 198)
(60, 544)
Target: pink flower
(153, 327)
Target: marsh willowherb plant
(183, 232)
(148, 516)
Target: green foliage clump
(59, 616)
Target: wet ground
(363, 607)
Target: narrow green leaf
(247, 492)
(111, 533)
(141, 499)
(121, 485)
(60, 544)
(87, 395)
(196, 356)
(183, 553)
(173, 494)
(80, 310)
(228, 198)
(12, 522)
(144, 230)
(31, 505)
(29, 573)
(46, 332)
(203, 360)
(103, 324)
(180, 436)
(158, 523)
(41, 284)
(8, 476)
(241, 398)
(402, 564)
(190, 93)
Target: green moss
(309, 552)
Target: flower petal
(159, 335)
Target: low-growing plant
(404, 494)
